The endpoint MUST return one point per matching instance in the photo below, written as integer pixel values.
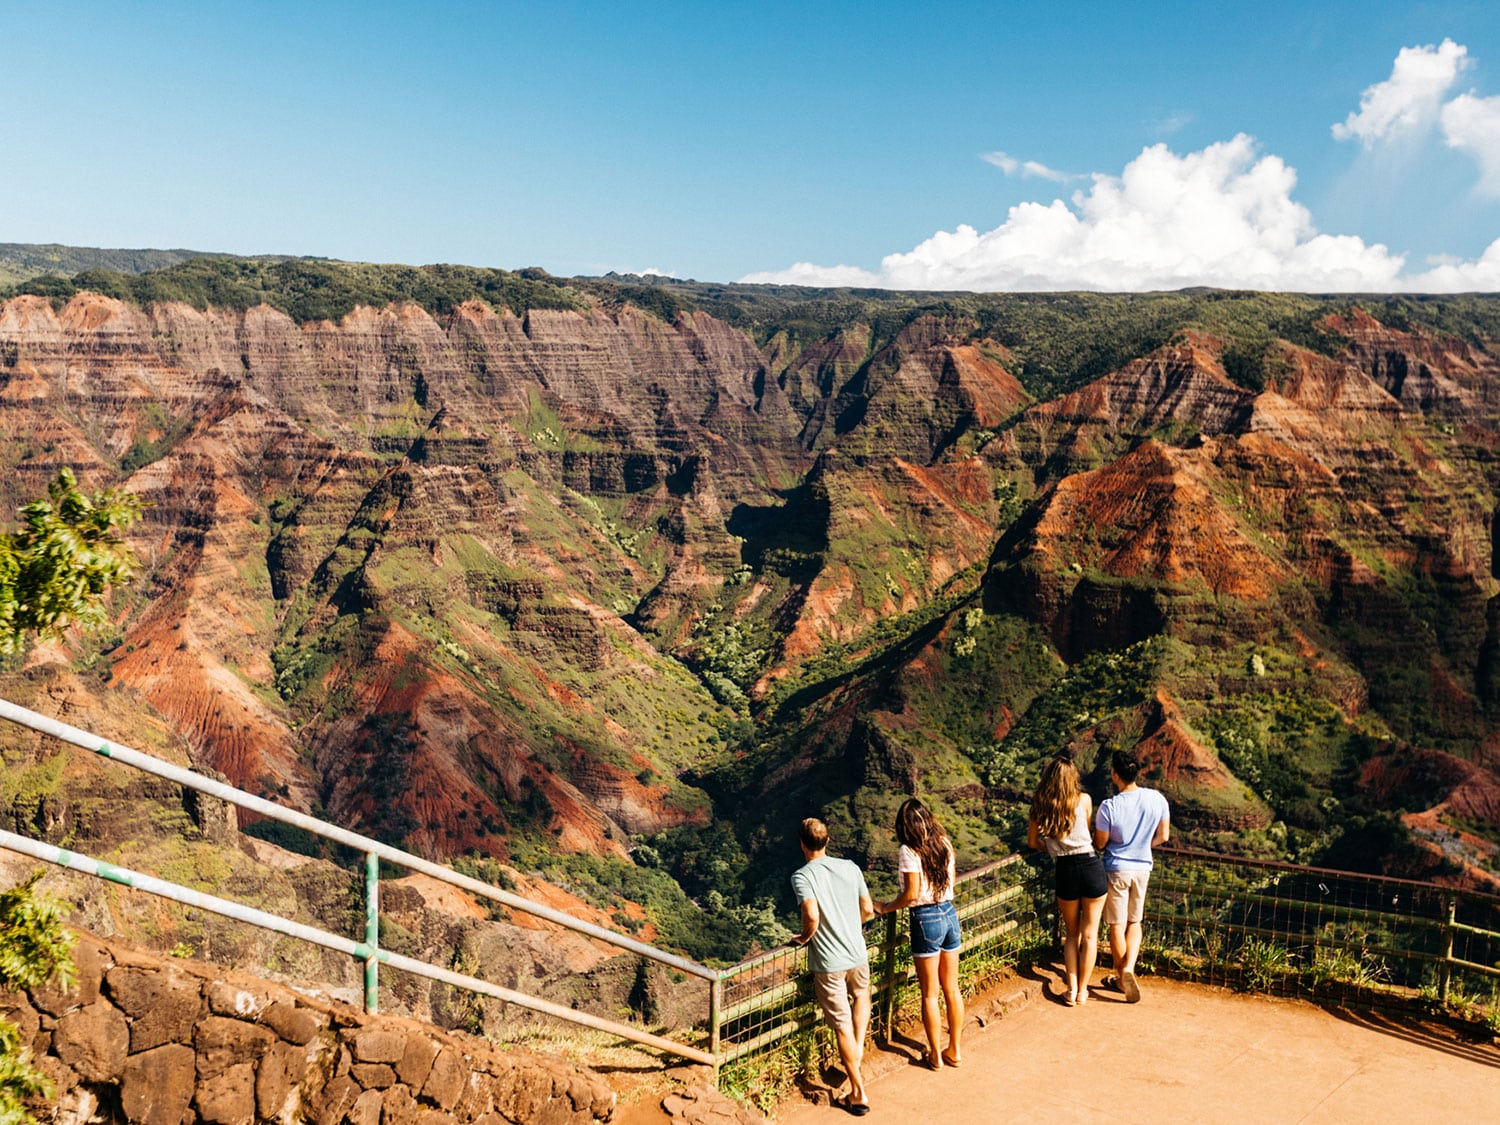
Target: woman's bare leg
(953, 999)
(1090, 910)
(1067, 909)
(927, 980)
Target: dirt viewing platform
(1185, 1053)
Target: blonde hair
(1055, 805)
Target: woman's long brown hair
(919, 830)
(1056, 801)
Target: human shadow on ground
(1053, 980)
(1459, 1041)
(906, 1043)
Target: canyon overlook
(580, 591)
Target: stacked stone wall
(141, 1038)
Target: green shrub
(1264, 963)
(34, 946)
(34, 949)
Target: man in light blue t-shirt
(835, 905)
(1127, 826)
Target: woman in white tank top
(926, 863)
(1061, 822)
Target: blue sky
(940, 145)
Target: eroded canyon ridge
(614, 580)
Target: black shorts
(1080, 876)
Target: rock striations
(474, 579)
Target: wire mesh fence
(1335, 936)
(1006, 912)
(1349, 938)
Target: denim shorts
(934, 929)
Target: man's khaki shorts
(1125, 901)
(836, 993)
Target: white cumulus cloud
(1025, 168)
(1479, 276)
(1409, 101)
(1223, 216)
(819, 277)
(1472, 124)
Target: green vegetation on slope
(1059, 340)
(20, 261)
(715, 925)
(311, 289)
(900, 681)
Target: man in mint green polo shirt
(835, 905)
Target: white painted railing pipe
(185, 895)
(359, 950)
(273, 811)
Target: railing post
(715, 1006)
(1445, 969)
(888, 973)
(372, 932)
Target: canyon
(605, 592)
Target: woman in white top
(926, 865)
(1061, 814)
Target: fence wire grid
(1006, 911)
(1334, 936)
(1364, 940)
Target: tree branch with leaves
(55, 570)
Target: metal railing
(368, 951)
(752, 1006)
(1276, 927)
(1362, 940)
(1006, 911)
(1270, 926)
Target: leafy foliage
(1100, 685)
(1287, 748)
(56, 568)
(34, 949)
(19, 1080)
(34, 946)
(714, 928)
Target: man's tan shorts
(1125, 900)
(837, 992)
